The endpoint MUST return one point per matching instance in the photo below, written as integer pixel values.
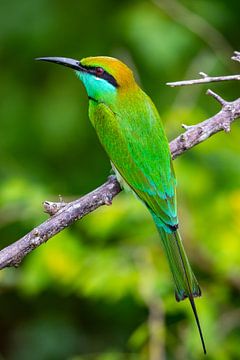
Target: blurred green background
(102, 289)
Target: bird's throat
(98, 90)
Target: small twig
(204, 75)
(187, 127)
(217, 97)
(204, 80)
(52, 208)
(236, 56)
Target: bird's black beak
(73, 64)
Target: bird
(130, 130)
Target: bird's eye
(99, 71)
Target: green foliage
(97, 290)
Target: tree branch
(198, 133)
(63, 215)
(13, 254)
(204, 80)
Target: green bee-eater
(130, 130)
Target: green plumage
(134, 139)
(129, 128)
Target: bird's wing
(137, 146)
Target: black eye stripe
(104, 75)
(109, 78)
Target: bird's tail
(186, 285)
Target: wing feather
(137, 146)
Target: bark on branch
(63, 215)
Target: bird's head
(103, 77)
